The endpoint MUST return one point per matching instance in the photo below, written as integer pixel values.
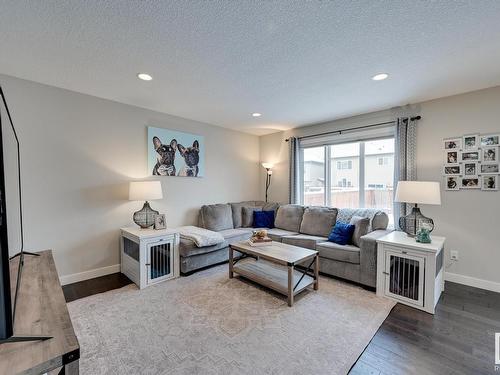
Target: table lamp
(145, 191)
(417, 192)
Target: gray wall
(469, 219)
(78, 155)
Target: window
(350, 175)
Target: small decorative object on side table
(160, 222)
(149, 256)
(145, 191)
(410, 272)
(417, 192)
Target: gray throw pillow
(361, 227)
(247, 216)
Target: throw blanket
(201, 237)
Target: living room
(276, 152)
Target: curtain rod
(350, 129)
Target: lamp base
(145, 218)
(413, 222)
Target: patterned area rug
(209, 324)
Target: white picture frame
(160, 222)
(470, 169)
(487, 140)
(452, 157)
(452, 143)
(471, 155)
(452, 169)
(470, 183)
(489, 154)
(489, 168)
(470, 142)
(489, 183)
(452, 183)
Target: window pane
(379, 175)
(344, 190)
(314, 176)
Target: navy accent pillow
(263, 219)
(341, 233)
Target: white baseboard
(472, 281)
(90, 274)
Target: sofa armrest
(368, 256)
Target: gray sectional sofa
(297, 225)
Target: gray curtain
(293, 175)
(405, 164)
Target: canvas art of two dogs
(166, 156)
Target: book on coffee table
(260, 241)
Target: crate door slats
(405, 277)
(159, 260)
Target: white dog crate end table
(410, 272)
(149, 256)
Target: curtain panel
(293, 175)
(405, 163)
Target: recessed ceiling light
(380, 76)
(256, 114)
(144, 76)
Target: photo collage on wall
(471, 162)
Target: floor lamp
(269, 173)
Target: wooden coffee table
(273, 266)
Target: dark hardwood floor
(94, 286)
(458, 339)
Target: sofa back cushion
(289, 217)
(216, 217)
(378, 219)
(237, 211)
(318, 221)
(361, 227)
(247, 216)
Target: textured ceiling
(296, 62)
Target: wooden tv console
(41, 310)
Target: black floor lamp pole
(268, 181)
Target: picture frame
(470, 169)
(470, 142)
(489, 183)
(470, 156)
(452, 143)
(489, 168)
(451, 157)
(489, 140)
(160, 222)
(470, 183)
(452, 170)
(452, 183)
(489, 154)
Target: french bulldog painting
(191, 157)
(165, 157)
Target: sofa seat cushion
(304, 240)
(235, 235)
(216, 217)
(188, 248)
(318, 221)
(276, 234)
(289, 217)
(341, 253)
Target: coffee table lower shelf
(272, 276)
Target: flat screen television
(9, 283)
(6, 305)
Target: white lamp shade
(145, 190)
(418, 192)
(267, 165)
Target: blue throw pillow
(341, 233)
(263, 219)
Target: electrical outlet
(454, 255)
